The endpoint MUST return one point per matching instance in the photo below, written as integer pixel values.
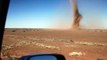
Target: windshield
(74, 28)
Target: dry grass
(90, 43)
(76, 53)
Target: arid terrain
(74, 45)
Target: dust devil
(77, 16)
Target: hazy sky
(55, 14)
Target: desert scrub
(90, 43)
(47, 46)
(5, 50)
(11, 58)
(76, 53)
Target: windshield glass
(75, 28)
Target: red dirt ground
(31, 41)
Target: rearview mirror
(43, 57)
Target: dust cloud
(77, 16)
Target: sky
(56, 14)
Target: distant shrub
(37, 30)
(24, 31)
(13, 30)
(71, 41)
(100, 59)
